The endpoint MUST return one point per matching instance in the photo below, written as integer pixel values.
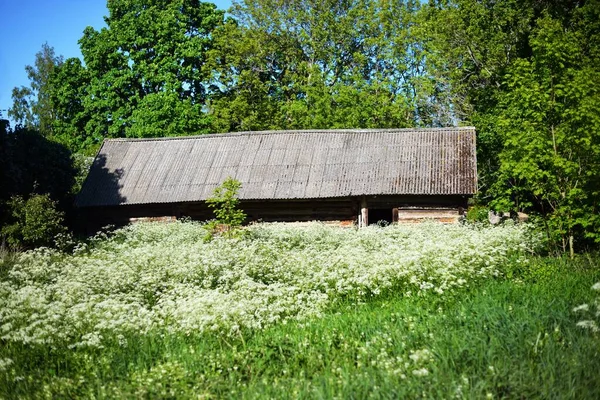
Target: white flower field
(155, 277)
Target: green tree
(320, 64)
(525, 73)
(31, 105)
(37, 178)
(470, 45)
(70, 84)
(145, 69)
(549, 121)
(31, 163)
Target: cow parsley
(166, 277)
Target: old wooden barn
(329, 175)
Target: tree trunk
(571, 249)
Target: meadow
(277, 311)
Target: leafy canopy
(32, 106)
(320, 64)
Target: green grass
(504, 338)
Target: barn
(350, 175)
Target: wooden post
(364, 213)
(394, 214)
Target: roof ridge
(285, 132)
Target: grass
(499, 338)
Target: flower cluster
(592, 313)
(167, 277)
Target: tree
(37, 177)
(526, 74)
(31, 163)
(470, 45)
(70, 83)
(145, 69)
(549, 120)
(31, 105)
(319, 64)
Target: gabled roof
(307, 164)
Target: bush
(478, 214)
(224, 203)
(35, 222)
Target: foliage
(31, 163)
(146, 79)
(470, 43)
(308, 64)
(550, 124)
(139, 78)
(495, 338)
(225, 204)
(478, 213)
(31, 105)
(70, 82)
(526, 74)
(35, 222)
(37, 185)
(82, 165)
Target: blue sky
(27, 24)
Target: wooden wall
(336, 209)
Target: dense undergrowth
(426, 310)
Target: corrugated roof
(307, 164)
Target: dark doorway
(376, 215)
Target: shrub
(224, 203)
(478, 214)
(35, 221)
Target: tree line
(525, 73)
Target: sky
(26, 25)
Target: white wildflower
(418, 356)
(5, 363)
(165, 276)
(582, 307)
(420, 372)
(589, 324)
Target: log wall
(336, 209)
